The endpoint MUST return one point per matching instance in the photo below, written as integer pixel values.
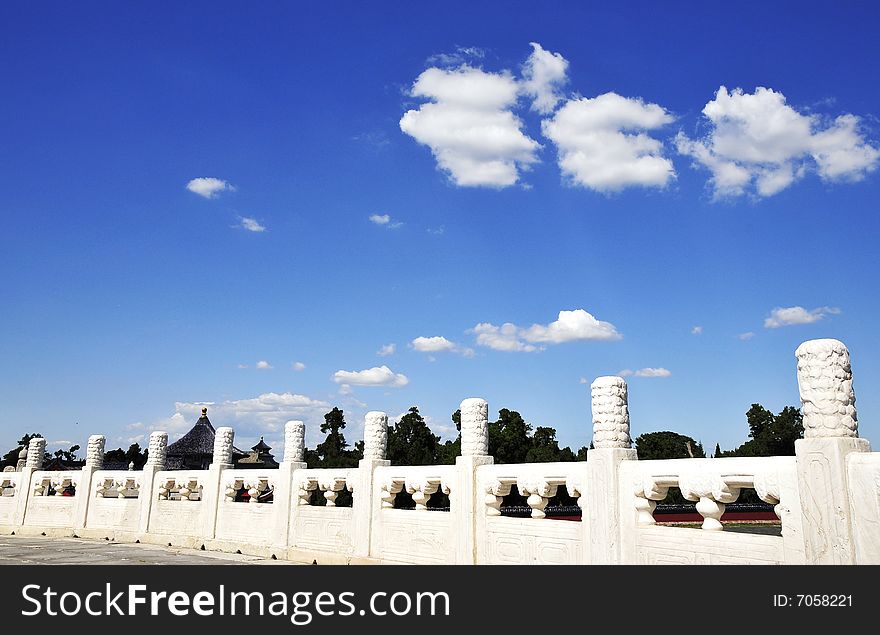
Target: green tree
(667, 445)
(11, 457)
(509, 440)
(332, 451)
(411, 442)
(771, 435)
(545, 447)
(452, 449)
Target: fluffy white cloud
(745, 337)
(298, 366)
(602, 144)
(386, 350)
(469, 125)
(653, 372)
(570, 326)
(380, 219)
(251, 224)
(376, 376)
(697, 330)
(209, 187)
(797, 315)
(263, 365)
(758, 141)
(543, 76)
(439, 344)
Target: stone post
(282, 498)
(612, 444)
(212, 489)
(831, 432)
(84, 489)
(33, 461)
(367, 505)
(466, 502)
(148, 495)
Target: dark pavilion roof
(199, 440)
(261, 446)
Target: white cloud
(469, 125)
(543, 76)
(570, 326)
(251, 224)
(439, 344)
(461, 55)
(298, 366)
(345, 389)
(653, 372)
(797, 315)
(209, 187)
(626, 372)
(376, 376)
(242, 365)
(385, 221)
(263, 365)
(386, 350)
(501, 338)
(697, 330)
(584, 380)
(759, 142)
(745, 337)
(602, 144)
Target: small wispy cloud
(745, 337)
(263, 365)
(386, 350)
(439, 344)
(298, 366)
(645, 372)
(797, 315)
(697, 330)
(250, 224)
(209, 186)
(384, 220)
(437, 231)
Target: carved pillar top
(294, 442)
(95, 451)
(375, 435)
(157, 449)
(474, 427)
(223, 446)
(610, 413)
(35, 451)
(825, 384)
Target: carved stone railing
(180, 485)
(330, 481)
(710, 483)
(55, 483)
(117, 484)
(257, 483)
(421, 482)
(539, 482)
(10, 483)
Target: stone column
(283, 506)
(830, 433)
(84, 489)
(612, 444)
(212, 490)
(33, 462)
(367, 503)
(148, 495)
(465, 500)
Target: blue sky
(380, 175)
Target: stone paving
(77, 551)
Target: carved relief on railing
(496, 490)
(391, 487)
(184, 488)
(330, 482)
(648, 490)
(423, 487)
(711, 492)
(118, 487)
(539, 490)
(767, 487)
(57, 484)
(8, 486)
(256, 486)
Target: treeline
(411, 442)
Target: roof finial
(204, 412)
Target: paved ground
(40, 550)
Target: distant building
(195, 449)
(260, 456)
